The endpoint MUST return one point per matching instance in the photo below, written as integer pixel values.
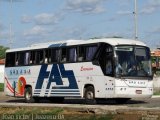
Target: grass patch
(156, 93)
(52, 113)
(47, 113)
(1, 87)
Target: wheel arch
(26, 86)
(85, 86)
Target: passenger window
(63, 55)
(10, 59)
(27, 58)
(20, 58)
(54, 55)
(32, 58)
(90, 52)
(72, 55)
(81, 53)
(47, 58)
(39, 57)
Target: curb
(156, 96)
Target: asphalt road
(153, 102)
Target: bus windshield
(133, 61)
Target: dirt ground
(75, 109)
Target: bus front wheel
(89, 95)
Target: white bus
(113, 68)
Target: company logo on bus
(21, 85)
(86, 69)
(59, 71)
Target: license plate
(138, 91)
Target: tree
(3, 51)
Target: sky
(38, 21)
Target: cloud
(12, 0)
(43, 18)
(26, 19)
(124, 12)
(119, 15)
(123, 3)
(85, 6)
(36, 31)
(150, 7)
(155, 30)
(4, 36)
(75, 32)
(1, 26)
(47, 19)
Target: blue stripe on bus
(63, 95)
(65, 91)
(37, 90)
(59, 90)
(36, 93)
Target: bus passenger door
(107, 66)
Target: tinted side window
(64, 54)
(54, 55)
(72, 54)
(90, 52)
(47, 58)
(20, 58)
(82, 53)
(32, 57)
(86, 53)
(10, 59)
(39, 57)
(26, 58)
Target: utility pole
(10, 35)
(135, 19)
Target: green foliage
(1, 87)
(156, 93)
(2, 51)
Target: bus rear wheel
(89, 95)
(28, 96)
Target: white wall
(1, 73)
(156, 84)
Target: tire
(89, 95)
(28, 95)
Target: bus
(110, 68)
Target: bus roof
(111, 41)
